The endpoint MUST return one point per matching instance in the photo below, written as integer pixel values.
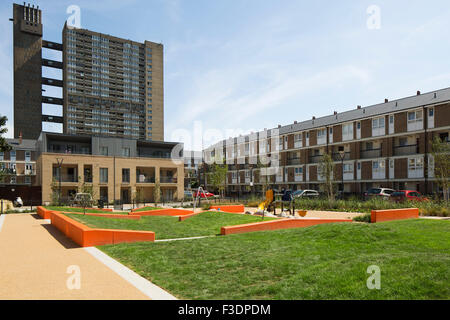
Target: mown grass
(203, 224)
(320, 262)
(147, 209)
(72, 209)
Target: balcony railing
(168, 180)
(371, 153)
(294, 161)
(406, 150)
(66, 178)
(337, 156)
(315, 159)
(145, 179)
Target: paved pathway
(34, 262)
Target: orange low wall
(105, 215)
(88, 237)
(43, 213)
(163, 212)
(394, 214)
(187, 216)
(231, 208)
(277, 225)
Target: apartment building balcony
(371, 153)
(337, 156)
(168, 179)
(406, 150)
(145, 175)
(66, 178)
(293, 162)
(315, 159)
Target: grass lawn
(72, 209)
(148, 209)
(203, 224)
(320, 262)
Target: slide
(269, 199)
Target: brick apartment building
(384, 145)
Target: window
(378, 127)
(103, 175)
(2, 156)
(104, 151)
(126, 175)
(415, 120)
(12, 155)
(431, 112)
(347, 131)
(126, 152)
(348, 168)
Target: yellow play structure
(269, 199)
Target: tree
(157, 193)
(87, 199)
(218, 177)
(138, 197)
(4, 146)
(441, 152)
(326, 169)
(55, 192)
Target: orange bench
(230, 208)
(277, 225)
(87, 237)
(394, 214)
(163, 212)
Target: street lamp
(342, 156)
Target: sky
(236, 66)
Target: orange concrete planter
(43, 213)
(88, 237)
(187, 216)
(277, 225)
(230, 209)
(108, 210)
(394, 214)
(104, 215)
(163, 212)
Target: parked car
(305, 194)
(384, 193)
(204, 194)
(411, 195)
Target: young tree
(87, 199)
(218, 177)
(4, 146)
(441, 153)
(55, 192)
(326, 169)
(157, 193)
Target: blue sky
(238, 66)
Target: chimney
(335, 113)
(418, 92)
(20, 137)
(358, 107)
(295, 122)
(386, 100)
(279, 126)
(314, 118)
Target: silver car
(305, 194)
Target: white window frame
(378, 126)
(415, 120)
(347, 131)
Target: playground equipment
(198, 197)
(263, 206)
(286, 200)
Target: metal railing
(371, 153)
(406, 150)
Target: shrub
(363, 218)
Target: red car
(204, 194)
(412, 195)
